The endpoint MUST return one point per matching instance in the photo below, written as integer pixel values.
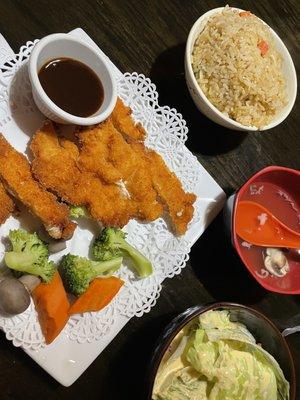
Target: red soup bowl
(277, 189)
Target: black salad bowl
(264, 331)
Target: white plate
(66, 359)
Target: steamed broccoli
(29, 255)
(77, 272)
(111, 243)
(78, 212)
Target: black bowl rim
(186, 316)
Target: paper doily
(167, 133)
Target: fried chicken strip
(177, 202)
(104, 149)
(6, 205)
(150, 183)
(124, 123)
(95, 152)
(55, 166)
(17, 178)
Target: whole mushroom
(15, 293)
(276, 262)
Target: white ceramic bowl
(207, 108)
(62, 45)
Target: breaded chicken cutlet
(146, 177)
(16, 176)
(111, 147)
(125, 124)
(105, 152)
(55, 166)
(177, 203)
(112, 173)
(7, 205)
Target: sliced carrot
(52, 306)
(245, 14)
(100, 292)
(263, 47)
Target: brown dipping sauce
(72, 86)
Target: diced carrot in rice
(245, 14)
(263, 47)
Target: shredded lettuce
(219, 360)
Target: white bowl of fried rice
(238, 71)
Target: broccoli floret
(111, 243)
(77, 272)
(29, 255)
(78, 212)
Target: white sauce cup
(62, 45)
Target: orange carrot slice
(100, 293)
(245, 14)
(263, 47)
(52, 306)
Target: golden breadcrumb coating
(6, 205)
(16, 175)
(55, 166)
(105, 152)
(123, 121)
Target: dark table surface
(149, 37)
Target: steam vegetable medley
(218, 360)
(90, 280)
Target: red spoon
(257, 225)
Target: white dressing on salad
(218, 360)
